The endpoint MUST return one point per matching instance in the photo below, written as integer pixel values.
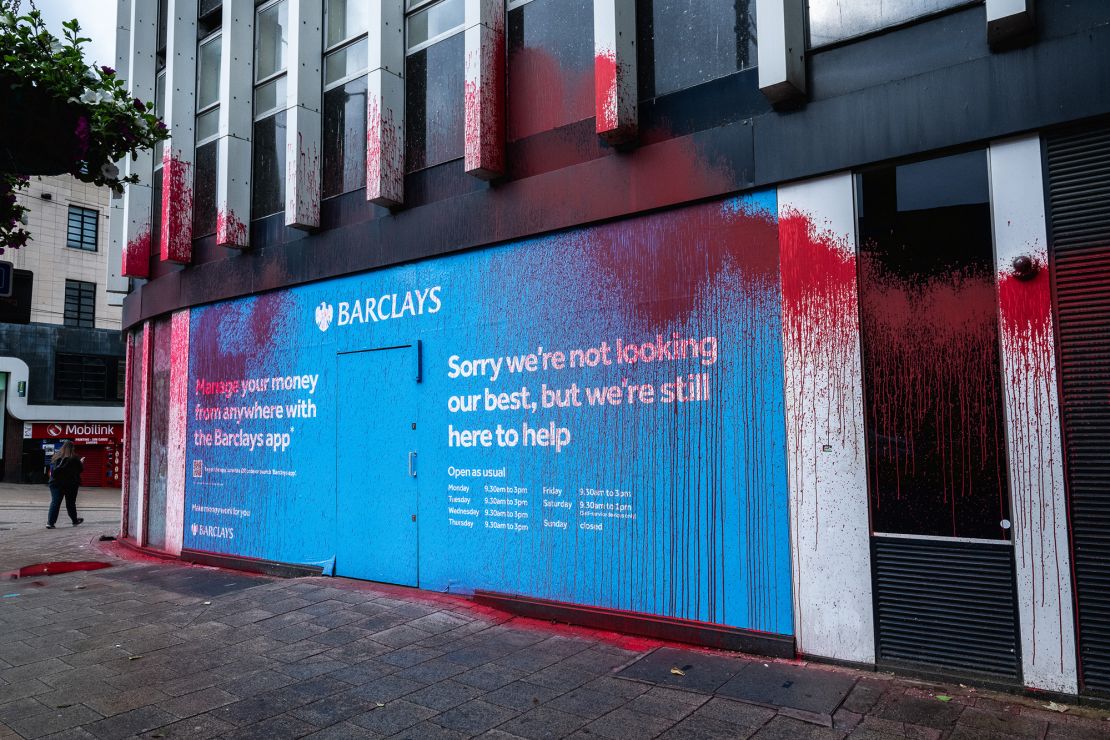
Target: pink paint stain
(177, 210)
(542, 95)
(610, 81)
(230, 231)
(136, 255)
(484, 109)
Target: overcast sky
(97, 19)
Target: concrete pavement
(164, 650)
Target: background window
(434, 83)
(207, 130)
(551, 65)
(88, 378)
(81, 228)
(687, 42)
(345, 67)
(834, 20)
(80, 307)
(268, 168)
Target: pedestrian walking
(65, 478)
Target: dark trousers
(57, 493)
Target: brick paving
(165, 650)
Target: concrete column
(781, 30)
(114, 281)
(233, 147)
(176, 239)
(1034, 446)
(137, 198)
(385, 104)
(177, 432)
(304, 88)
(484, 99)
(615, 91)
(826, 451)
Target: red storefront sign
(80, 432)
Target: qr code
(198, 468)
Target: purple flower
(82, 133)
(139, 105)
(108, 71)
(161, 126)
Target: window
(16, 308)
(835, 20)
(207, 130)
(931, 367)
(80, 308)
(88, 378)
(550, 65)
(81, 228)
(268, 168)
(159, 150)
(687, 42)
(345, 67)
(434, 78)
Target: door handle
(412, 464)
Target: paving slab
(804, 693)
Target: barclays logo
(324, 315)
(207, 530)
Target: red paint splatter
(484, 107)
(1028, 358)
(933, 401)
(230, 231)
(136, 254)
(177, 209)
(820, 310)
(612, 98)
(384, 170)
(56, 567)
(302, 182)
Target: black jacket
(66, 473)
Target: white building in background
(61, 357)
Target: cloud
(97, 19)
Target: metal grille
(946, 605)
(1079, 198)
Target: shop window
(434, 78)
(344, 124)
(268, 167)
(88, 378)
(836, 20)
(929, 330)
(207, 131)
(683, 43)
(81, 228)
(550, 65)
(80, 305)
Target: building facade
(61, 350)
(770, 325)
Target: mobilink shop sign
(593, 417)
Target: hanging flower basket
(60, 115)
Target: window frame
(412, 7)
(78, 320)
(83, 215)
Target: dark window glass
(81, 228)
(551, 65)
(434, 104)
(929, 330)
(156, 209)
(345, 138)
(121, 380)
(834, 20)
(80, 307)
(88, 378)
(687, 42)
(268, 178)
(204, 190)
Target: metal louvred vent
(1079, 199)
(946, 605)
